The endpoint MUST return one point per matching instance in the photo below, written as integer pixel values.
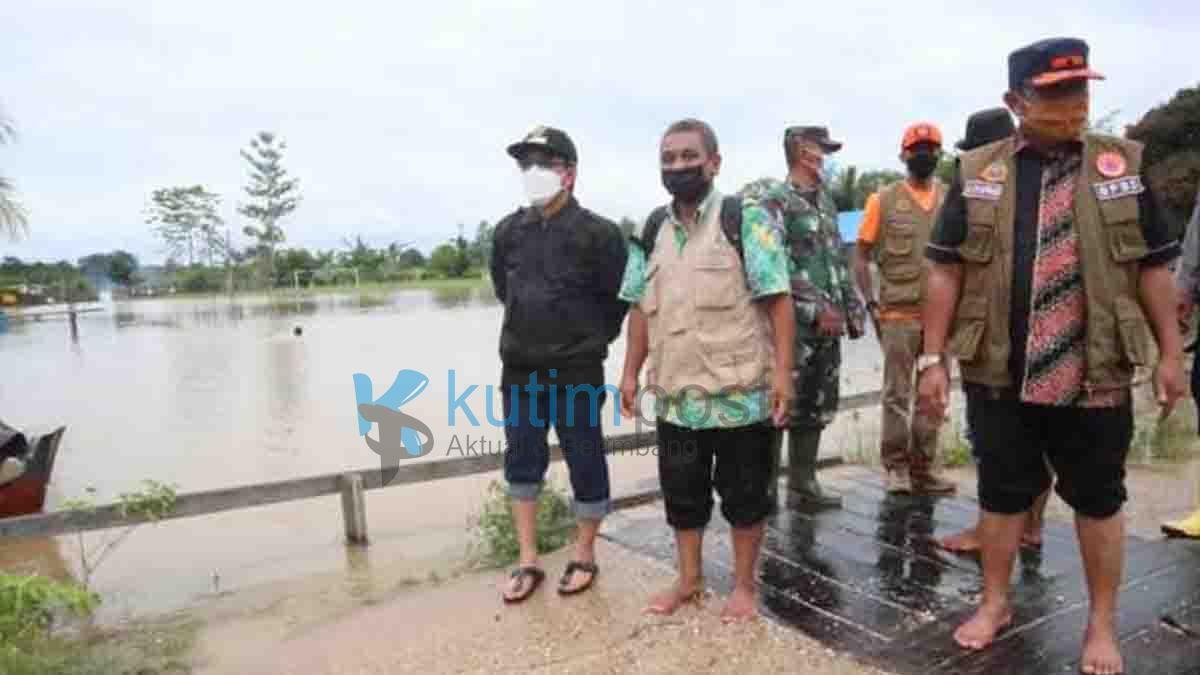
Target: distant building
(848, 222)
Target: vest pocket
(981, 231)
(1132, 327)
(649, 303)
(717, 282)
(968, 328)
(898, 240)
(1125, 240)
(739, 364)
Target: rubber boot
(1188, 527)
(773, 485)
(803, 445)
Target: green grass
(162, 648)
(495, 536)
(46, 629)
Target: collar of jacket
(533, 214)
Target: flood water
(214, 393)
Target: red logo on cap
(1065, 62)
(1111, 164)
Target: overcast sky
(396, 114)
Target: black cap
(548, 139)
(820, 135)
(987, 126)
(1049, 62)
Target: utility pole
(228, 266)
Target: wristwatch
(924, 361)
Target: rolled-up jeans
(576, 420)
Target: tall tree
(869, 183)
(13, 218)
(482, 246)
(273, 194)
(122, 268)
(844, 189)
(186, 220)
(1171, 134)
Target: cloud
(396, 114)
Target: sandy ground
(462, 627)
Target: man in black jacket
(557, 268)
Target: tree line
(202, 256)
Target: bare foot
(1032, 538)
(741, 606)
(980, 630)
(1101, 656)
(680, 593)
(966, 541)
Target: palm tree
(12, 214)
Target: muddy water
(215, 393)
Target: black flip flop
(530, 571)
(577, 566)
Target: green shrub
(30, 604)
(956, 449)
(495, 536)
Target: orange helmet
(921, 132)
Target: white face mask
(541, 185)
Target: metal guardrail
(351, 485)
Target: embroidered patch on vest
(1111, 164)
(977, 189)
(1122, 187)
(996, 172)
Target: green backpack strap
(731, 223)
(650, 232)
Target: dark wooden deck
(867, 580)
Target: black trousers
(736, 462)
(1086, 447)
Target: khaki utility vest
(1110, 245)
(904, 230)
(706, 332)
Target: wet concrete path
(868, 581)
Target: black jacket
(558, 280)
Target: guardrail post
(354, 508)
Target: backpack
(731, 225)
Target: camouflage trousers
(905, 440)
(815, 378)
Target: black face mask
(687, 185)
(922, 164)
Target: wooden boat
(26, 493)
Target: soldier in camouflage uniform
(826, 305)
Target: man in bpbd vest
(1050, 271)
(826, 306)
(984, 127)
(714, 319)
(893, 234)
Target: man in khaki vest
(712, 312)
(893, 234)
(1050, 270)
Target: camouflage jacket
(820, 273)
